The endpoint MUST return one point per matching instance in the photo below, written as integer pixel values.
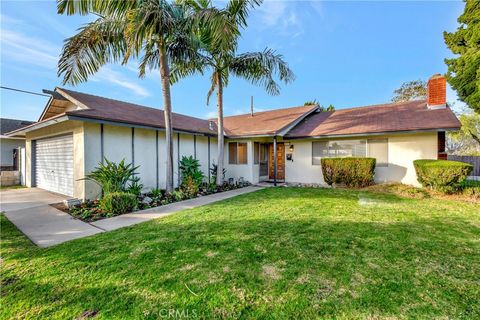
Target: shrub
(442, 175)
(353, 172)
(190, 168)
(116, 203)
(112, 177)
(135, 187)
(189, 188)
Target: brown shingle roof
(7, 125)
(101, 108)
(265, 122)
(402, 116)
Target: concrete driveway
(29, 210)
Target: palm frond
(101, 7)
(239, 10)
(260, 68)
(96, 44)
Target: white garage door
(54, 164)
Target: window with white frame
(375, 148)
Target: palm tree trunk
(167, 109)
(220, 129)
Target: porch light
(291, 148)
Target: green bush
(112, 177)
(116, 203)
(189, 188)
(442, 175)
(353, 172)
(190, 168)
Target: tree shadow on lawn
(277, 263)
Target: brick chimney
(437, 92)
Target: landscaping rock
(71, 202)
(147, 200)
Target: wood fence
(473, 160)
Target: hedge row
(442, 175)
(353, 172)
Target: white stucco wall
(145, 157)
(118, 145)
(92, 149)
(7, 146)
(301, 169)
(402, 150)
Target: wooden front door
(280, 162)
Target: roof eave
(38, 125)
(75, 117)
(371, 133)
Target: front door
(280, 162)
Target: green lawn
(276, 253)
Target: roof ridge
(382, 104)
(134, 104)
(272, 110)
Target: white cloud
(210, 115)
(4, 19)
(273, 12)
(286, 16)
(114, 77)
(26, 49)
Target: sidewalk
(129, 219)
(47, 226)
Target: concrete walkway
(28, 209)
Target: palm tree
(155, 29)
(219, 55)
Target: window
(378, 149)
(319, 150)
(237, 153)
(338, 149)
(256, 153)
(232, 153)
(242, 153)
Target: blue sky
(343, 53)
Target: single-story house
(9, 144)
(77, 130)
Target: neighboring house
(9, 144)
(76, 131)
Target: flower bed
(90, 211)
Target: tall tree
(464, 70)
(219, 56)
(411, 90)
(466, 141)
(156, 31)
